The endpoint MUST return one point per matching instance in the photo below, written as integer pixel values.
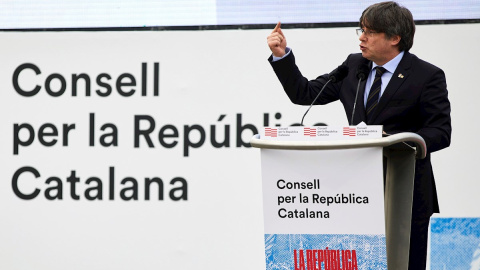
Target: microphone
(362, 74)
(362, 71)
(336, 75)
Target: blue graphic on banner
(455, 243)
(282, 251)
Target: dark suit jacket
(415, 100)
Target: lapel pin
(400, 76)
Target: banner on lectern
(323, 209)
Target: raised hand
(277, 41)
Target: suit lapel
(399, 76)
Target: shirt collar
(391, 65)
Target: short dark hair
(392, 19)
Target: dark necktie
(374, 94)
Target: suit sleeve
(435, 110)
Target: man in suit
(402, 92)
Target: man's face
(377, 48)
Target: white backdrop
(203, 75)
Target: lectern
(337, 197)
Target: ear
(395, 40)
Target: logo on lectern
(311, 132)
(271, 132)
(350, 131)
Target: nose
(362, 37)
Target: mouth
(362, 48)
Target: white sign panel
(319, 202)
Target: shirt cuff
(287, 52)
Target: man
(409, 95)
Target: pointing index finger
(277, 27)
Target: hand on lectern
(277, 41)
